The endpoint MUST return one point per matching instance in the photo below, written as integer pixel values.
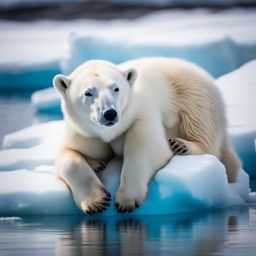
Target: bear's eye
(116, 89)
(88, 94)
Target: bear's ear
(130, 75)
(61, 83)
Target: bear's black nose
(110, 115)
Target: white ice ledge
(187, 183)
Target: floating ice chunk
(218, 56)
(25, 192)
(46, 100)
(27, 158)
(25, 76)
(224, 42)
(187, 183)
(34, 135)
(239, 90)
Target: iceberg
(34, 135)
(223, 43)
(46, 100)
(218, 56)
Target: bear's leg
(89, 193)
(230, 160)
(208, 144)
(227, 156)
(145, 151)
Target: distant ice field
(32, 53)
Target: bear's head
(95, 94)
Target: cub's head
(96, 93)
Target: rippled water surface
(224, 232)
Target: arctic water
(223, 232)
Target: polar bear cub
(145, 110)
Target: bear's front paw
(128, 200)
(178, 147)
(95, 199)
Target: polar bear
(145, 110)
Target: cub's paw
(95, 199)
(178, 147)
(127, 201)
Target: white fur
(158, 99)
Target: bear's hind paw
(178, 147)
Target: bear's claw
(97, 206)
(178, 147)
(125, 209)
(127, 199)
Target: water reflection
(181, 234)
